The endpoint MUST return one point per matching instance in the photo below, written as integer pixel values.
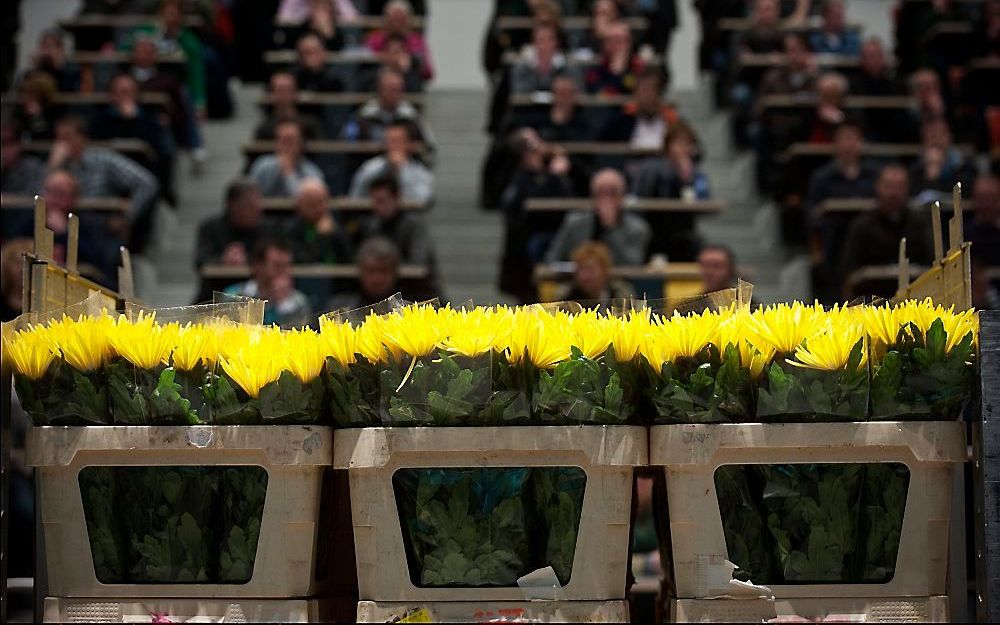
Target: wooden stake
(904, 270)
(44, 239)
(936, 225)
(72, 243)
(126, 285)
(955, 224)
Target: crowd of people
(830, 112)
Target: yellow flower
(30, 352)
(339, 340)
(882, 323)
(471, 332)
(631, 334)
(593, 333)
(255, 361)
(830, 349)
(304, 353)
(687, 335)
(414, 330)
(144, 343)
(85, 342)
(369, 340)
(542, 337)
(784, 326)
(196, 344)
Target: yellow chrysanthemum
(784, 326)
(414, 330)
(143, 342)
(593, 333)
(369, 340)
(541, 336)
(630, 335)
(339, 340)
(85, 343)
(687, 335)
(195, 344)
(255, 361)
(29, 351)
(472, 332)
(304, 353)
(830, 349)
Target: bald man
(627, 235)
(314, 233)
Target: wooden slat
(339, 204)
(670, 271)
(291, 57)
(120, 20)
(325, 146)
(557, 204)
(570, 22)
(149, 98)
(850, 102)
(242, 272)
(862, 205)
(128, 147)
(367, 22)
(889, 273)
(307, 98)
(738, 24)
(544, 98)
(511, 57)
(83, 205)
(766, 60)
(878, 150)
(118, 57)
(607, 148)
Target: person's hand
(128, 109)
(32, 106)
(397, 158)
(830, 114)
(684, 167)
(559, 165)
(281, 287)
(234, 254)
(58, 155)
(607, 214)
(201, 113)
(326, 225)
(933, 162)
(117, 225)
(286, 163)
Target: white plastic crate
(838, 610)
(497, 611)
(692, 453)
(148, 610)
(293, 456)
(607, 454)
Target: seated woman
(539, 63)
(398, 20)
(618, 66)
(592, 280)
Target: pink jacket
(415, 45)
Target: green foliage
(443, 390)
(148, 397)
(748, 542)
(173, 524)
(353, 393)
(919, 379)
(488, 527)
(791, 393)
(587, 391)
(64, 396)
(285, 401)
(709, 388)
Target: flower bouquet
(923, 360)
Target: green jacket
(194, 65)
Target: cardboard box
(487, 611)
(840, 610)
(293, 456)
(145, 610)
(692, 453)
(607, 454)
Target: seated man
(398, 22)
(284, 96)
(281, 173)
(834, 36)
(228, 238)
(592, 281)
(101, 172)
(873, 238)
(983, 226)
(50, 58)
(940, 164)
(643, 122)
(388, 107)
(626, 235)
(415, 180)
(271, 280)
(717, 267)
(313, 232)
(539, 63)
(98, 250)
(618, 65)
(312, 72)
(20, 173)
(565, 120)
(378, 276)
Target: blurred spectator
(36, 112)
(314, 233)
(873, 238)
(985, 295)
(397, 20)
(124, 118)
(229, 238)
(284, 97)
(603, 14)
(98, 250)
(12, 276)
(271, 280)
(50, 58)
(798, 72)
(925, 87)
(676, 175)
(415, 180)
(299, 11)
(940, 165)
(717, 267)
(831, 89)
(378, 276)
(834, 36)
(395, 56)
(618, 66)
(406, 229)
(565, 120)
(388, 107)
(986, 39)
(539, 63)
(312, 72)
(983, 226)
(20, 173)
(279, 174)
(626, 235)
(874, 75)
(764, 35)
(645, 121)
(101, 172)
(592, 278)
